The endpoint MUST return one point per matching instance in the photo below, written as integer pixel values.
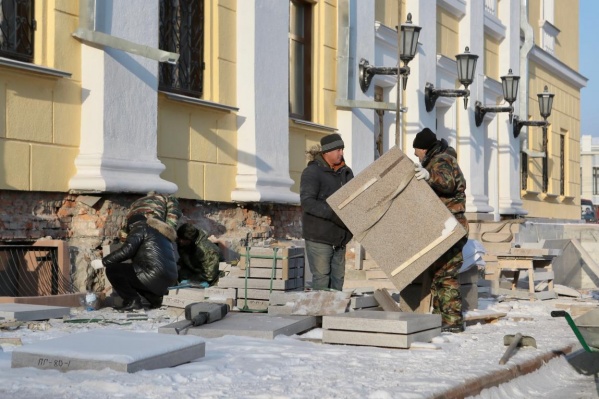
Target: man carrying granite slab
(400, 221)
(439, 168)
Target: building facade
(218, 101)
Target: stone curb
(474, 386)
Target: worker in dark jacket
(439, 168)
(198, 256)
(149, 246)
(325, 234)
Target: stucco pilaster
(263, 100)
(118, 149)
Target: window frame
(19, 46)
(187, 76)
(304, 39)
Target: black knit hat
(188, 232)
(425, 139)
(331, 142)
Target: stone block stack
(263, 270)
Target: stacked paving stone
(386, 329)
(262, 270)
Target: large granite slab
(257, 325)
(399, 220)
(27, 312)
(114, 349)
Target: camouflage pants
(445, 288)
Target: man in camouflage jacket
(439, 168)
(198, 256)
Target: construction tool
(515, 341)
(203, 312)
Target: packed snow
(300, 366)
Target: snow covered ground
(301, 367)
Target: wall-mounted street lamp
(545, 105)
(509, 83)
(408, 44)
(466, 64)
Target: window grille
(182, 32)
(17, 28)
(27, 270)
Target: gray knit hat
(331, 142)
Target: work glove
(204, 284)
(421, 173)
(97, 264)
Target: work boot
(129, 305)
(453, 328)
(152, 301)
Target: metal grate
(182, 32)
(27, 270)
(17, 28)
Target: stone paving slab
(257, 325)
(378, 339)
(118, 350)
(382, 322)
(26, 312)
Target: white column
(118, 149)
(471, 139)
(263, 100)
(510, 202)
(423, 69)
(357, 126)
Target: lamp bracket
(480, 111)
(367, 72)
(518, 124)
(431, 95)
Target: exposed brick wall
(87, 222)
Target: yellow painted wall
(385, 11)
(491, 67)
(567, 42)
(565, 120)
(39, 114)
(198, 144)
(447, 33)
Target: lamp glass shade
(466, 63)
(509, 83)
(545, 103)
(408, 44)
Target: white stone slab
(382, 322)
(257, 325)
(26, 312)
(114, 349)
(377, 339)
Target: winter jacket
(319, 223)
(199, 261)
(152, 255)
(163, 207)
(447, 179)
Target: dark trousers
(124, 281)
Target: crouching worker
(153, 268)
(198, 256)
